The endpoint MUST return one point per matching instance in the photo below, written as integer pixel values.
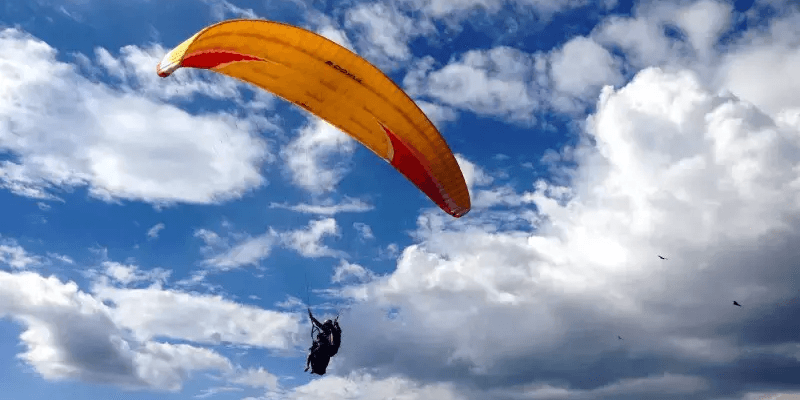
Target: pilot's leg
(308, 362)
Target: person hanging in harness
(325, 346)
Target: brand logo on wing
(342, 70)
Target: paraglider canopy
(336, 85)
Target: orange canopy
(336, 85)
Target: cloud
(750, 152)
(579, 69)
(473, 175)
(643, 39)
(500, 157)
(68, 334)
(108, 336)
(206, 393)
(364, 231)
(62, 258)
(759, 68)
(389, 252)
(336, 35)
(248, 252)
(483, 194)
(156, 313)
(153, 232)
(291, 303)
(307, 242)
(365, 386)
(704, 22)
(754, 65)
(671, 167)
(345, 270)
(133, 70)
(311, 158)
(208, 237)
(257, 378)
(252, 250)
(504, 196)
(222, 9)
(658, 386)
(697, 160)
(15, 256)
(119, 144)
(127, 274)
(510, 84)
(441, 8)
(325, 25)
(771, 396)
(383, 33)
(328, 207)
(167, 364)
(455, 11)
(500, 82)
(437, 113)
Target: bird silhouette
(620, 337)
(736, 304)
(662, 258)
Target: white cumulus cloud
(119, 144)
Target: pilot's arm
(314, 320)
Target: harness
(315, 330)
(322, 349)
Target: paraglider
(325, 346)
(339, 87)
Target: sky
(162, 238)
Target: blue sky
(161, 238)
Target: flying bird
(620, 337)
(736, 304)
(662, 258)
